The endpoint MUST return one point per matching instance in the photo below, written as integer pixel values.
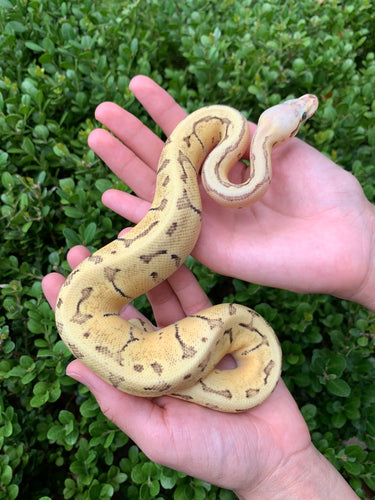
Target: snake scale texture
(180, 360)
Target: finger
(52, 282)
(131, 132)
(165, 305)
(77, 254)
(188, 291)
(149, 423)
(119, 407)
(125, 163)
(51, 285)
(178, 297)
(159, 104)
(128, 206)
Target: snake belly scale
(180, 360)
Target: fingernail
(78, 378)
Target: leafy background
(58, 60)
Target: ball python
(180, 360)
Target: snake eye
(304, 116)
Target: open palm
(313, 222)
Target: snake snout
(310, 104)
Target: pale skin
(313, 231)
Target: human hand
(236, 451)
(311, 232)
(265, 452)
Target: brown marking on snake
(103, 349)
(138, 368)
(212, 322)
(224, 121)
(232, 309)
(184, 202)
(145, 324)
(160, 387)
(132, 339)
(182, 396)
(80, 317)
(165, 162)
(203, 364)
(147, 258)
(187, 351)
(96, 259)
(70, 277)
(60, 327)
(250, 393)
(177, 260)
(228, 150)
(59, 303)
(115, 380)
(224, 393)
(160, 207)
(211, 406)
(186, 377)
(128, 241)
(155, 276)
(86, 335)
(116, 355)
(182, 158)
(263, 341)
(158, 369)
(110, 275)
(172, 229)
(230, 333)
(74, 350)
(268, 370)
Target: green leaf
(12, 491)
(72, 237)
(39, 400)
(89, 233)
(67, 31)
(74, 213)
(7, 180)
(309, 411)
(6, 4)
(336, 364)
(15, 26)
(34, 47)
(168, 478)
(138, 474)
(103, 184)
(338, 387)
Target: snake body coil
(179, 360)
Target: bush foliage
(58, 60)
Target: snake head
(284, 120)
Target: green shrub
(57, 62)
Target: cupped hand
(235, 451)
(311, 232)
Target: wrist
(307, 474)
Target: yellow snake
(180, 360)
